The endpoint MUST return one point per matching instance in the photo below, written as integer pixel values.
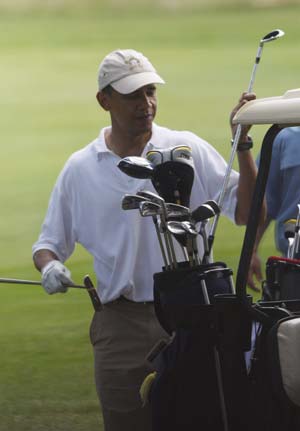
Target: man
(85, 207)
(282, 194)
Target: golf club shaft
(34, 283)
(162, 248)
(168, 237)
(235, 143)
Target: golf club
(136, 167)
(33, 283)
(289, 233)
(295, 246)
(185, 233)
(90, 288)
(92, 292)
(173, 173)
(179, 212)
(132, 202)
(149, 208)
(205, 211)
(273, 35)
(163, 217)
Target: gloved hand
(55, 276)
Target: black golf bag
(282, 279)
(202, 382)
(203, 364)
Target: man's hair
(107, 90)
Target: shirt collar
(101, 147)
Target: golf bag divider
(180, 295)
(282, 279)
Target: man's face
(134, 112)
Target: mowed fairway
(48, 110)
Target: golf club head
(205, 211)
(93, 293)
(132, 202)
(181, 228)
(153, 197)
(156, 157)
(136, 167)
(149, 209)
(177, 212)
(173, 173)
(289, 228)
(181, 153)
(273, 35)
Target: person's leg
(134, 420)
(122, 335)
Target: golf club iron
(132, 202)
(185, 233)
(163, 217)
(273, 35)
(149, 208)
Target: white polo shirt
(85, 208)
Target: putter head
(136, 167)
(273, 35)
(93, 293)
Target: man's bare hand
(245, 97)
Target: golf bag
(201, 377)
(203, 364)
(282, 279)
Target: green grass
(48, 110)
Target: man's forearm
(248, 173)
(42, 257)
(260, 232)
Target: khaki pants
(122, 334)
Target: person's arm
(42, 257)
(247, 168)
(255, 271)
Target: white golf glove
(55, 276)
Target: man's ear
(103, 100)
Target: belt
(122, 298)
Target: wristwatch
(244, 146)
